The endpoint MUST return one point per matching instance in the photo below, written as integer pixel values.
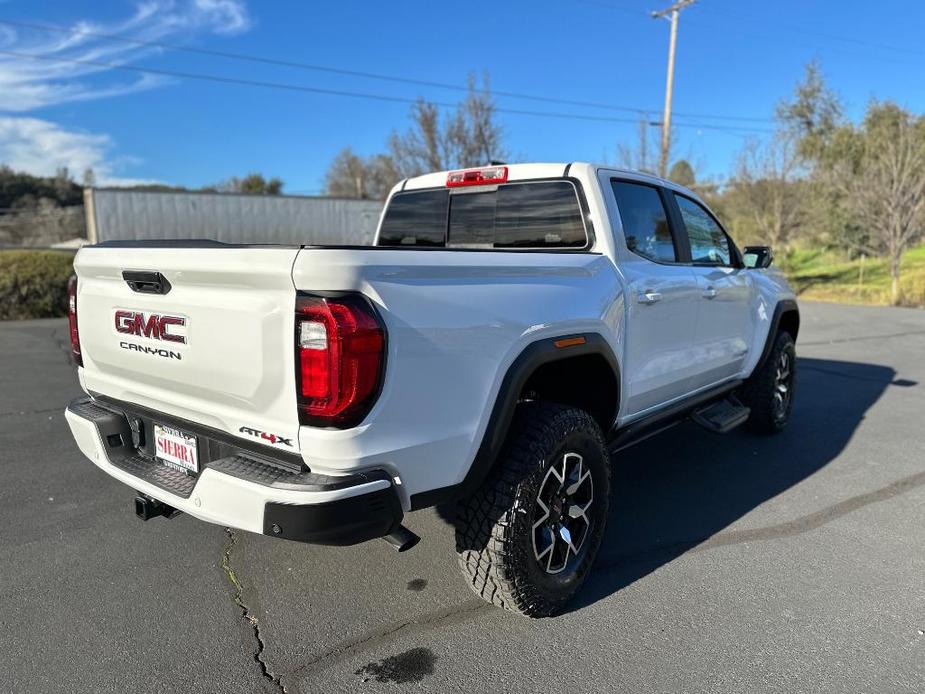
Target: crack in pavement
(245, 611)
(906, 383)
(62, 338)
(28, 412)
(426, 622)
(797, 526)
(861, 338)
(472, 608)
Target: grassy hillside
(829, 276)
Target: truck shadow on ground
(678, 491)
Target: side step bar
(721, 416)
(642, 429)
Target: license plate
(175, 449)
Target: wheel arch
(547, 371)
(786, 317)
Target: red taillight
(340, 351)
(72, 320)
(477, 177)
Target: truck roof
(527, 171)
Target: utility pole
(672, 14)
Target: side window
(709, 243)
(645, 222)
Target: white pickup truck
(512, 327)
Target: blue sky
(735, 59)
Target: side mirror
(758, 257)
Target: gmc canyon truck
(511, 328)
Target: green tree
(23, 191)
(252, 184)
(812, 115)
(682, 173)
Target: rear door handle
(709, 293)
(649, 297)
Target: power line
(820, 34)
(776, 37)
(239, 81)
(359, 73)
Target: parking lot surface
(732, 563)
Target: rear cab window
(527, 215)
(415, 219)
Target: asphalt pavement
(732, 563)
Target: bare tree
(469, 136)
(423, 147)
(641, 156)
(346, 176)
(473, 137)
(767, 191)
(883, 183)
(353, 176)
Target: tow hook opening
(147, 508)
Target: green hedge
(33, 284)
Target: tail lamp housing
(72, 320)
(340, 345)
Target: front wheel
(769, 391)
(527, 539)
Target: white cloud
(41, 148)
(228, 16)
(27, 84)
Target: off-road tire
(495, 540)
(758, 392)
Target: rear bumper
(243, 490)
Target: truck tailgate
(224, 356)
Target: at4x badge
(272, 438)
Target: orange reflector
(569, 342)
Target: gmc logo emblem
(152, 326)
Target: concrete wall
(144, 215)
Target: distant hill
(22, 191)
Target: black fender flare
(533, 356)
(783, 307)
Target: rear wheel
(528, 538)
(769, 392)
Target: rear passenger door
(724, 321)
(661, 298)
